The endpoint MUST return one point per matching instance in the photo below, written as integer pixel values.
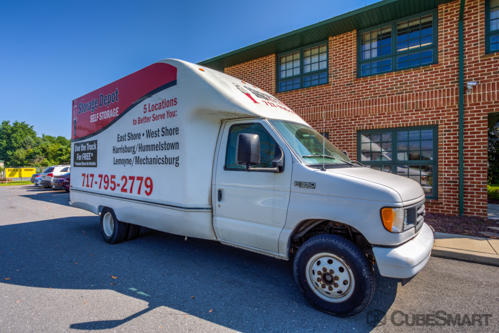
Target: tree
(20, 146)
(55, 150)
(15, 139)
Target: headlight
(393, 219)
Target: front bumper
(408, 259)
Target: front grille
(415, 215)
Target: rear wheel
(112, 230)
(334, 275)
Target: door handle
(219, 194)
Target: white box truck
(188, 150)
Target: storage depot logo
(96, 103)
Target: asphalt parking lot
(58, 275)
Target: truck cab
(286, 189)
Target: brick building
(397, 86)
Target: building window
(408, 152)
(492, 25)
(302, 68)
(398, 45)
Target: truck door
(250, 206)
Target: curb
(479, 258)
(478, 250)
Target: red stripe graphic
(94, 111)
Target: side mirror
(248, 149)
(278, 162)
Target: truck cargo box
(150, 137)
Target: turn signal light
(387, 216)
(393, 219)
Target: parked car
(67, 182)
(38, 180)
(33, 177)
(45, 176)
(58, 181)
(49, 173)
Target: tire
(133, 231)
(113, 231)
(324, 259)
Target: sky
(52, 52)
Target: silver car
(47, 176)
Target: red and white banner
(95, 111)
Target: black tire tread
(349, 252)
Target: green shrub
(493, 191)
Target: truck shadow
(60, 197)
(220, 284)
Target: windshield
(308, 143)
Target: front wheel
(334, 275)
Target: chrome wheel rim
(108, 224)
(330, 277)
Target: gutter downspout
(461, 110)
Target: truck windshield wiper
(320, 155)
(331, 157)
